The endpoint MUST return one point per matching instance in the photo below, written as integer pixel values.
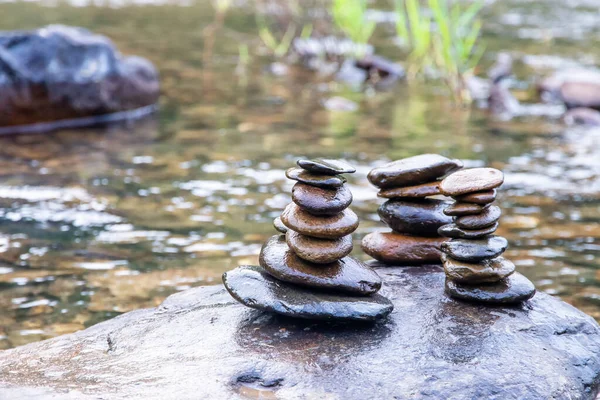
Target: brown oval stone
(486, 271)
(422, 190)
(453, 231)
(417, 217)
(485, 197)
(327, 167)
(471, 180)
(395, 248)
(326, 227)
(279, 225)
(321, 201)
(320, 180)
(412, 171)
(459, 209)
(319, 251)
(487, 217)
(347, 274)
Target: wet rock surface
(418, 217)
(321, 201)
(455, 232)
(487, 271)
(513, 289)
(320, 251)
(328, 167)
(279, 226)
(310, 178)
(60, 73)
(459, 208)
(475, 250)
(431, 346)
(486, 218)
(326, 227)
(471, 180)
(485, 197)
(418, 191)
(391, 248)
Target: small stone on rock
(453, 231)
(319, 251)
(485, 197)
(320, 180)
(471, 180)
(325, 166)
(422, 190)
(475, 250)
(395, 248)
(325, 227)
(459, 209)
(279, 225)
(486, 218)
(321, 201)
(486, 271)
(511, 290)
(416, 217)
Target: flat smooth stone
(485, 197)
(417, 217)
(255, 288)
(279, 226)
(326, 166)
(321, 201)
(319, 251)
(325, 227)
(320, 180)
(395, 248)
(453, 231)
(475, 250)
(418, 191)
(486, 218)
(347, 274)
(460, 209)
(471, 180)
(486, 271)
(511, 290)
(412, 171)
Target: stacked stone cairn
(413, 217)
(305, 272)
(475, 270)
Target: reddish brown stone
(395, 248)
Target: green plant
(414, 29)
(279, 48)
(350, 17)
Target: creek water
(100, 222)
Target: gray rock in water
(60, 76)
(255, 288)
(201, 344)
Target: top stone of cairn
(471, 180)
(412, 171)
(327, 167)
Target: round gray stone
(513, 289)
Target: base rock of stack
(513, 289)
(396, 248)
(416, 217)
(347, 274)
(253, 287)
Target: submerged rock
(60, 76)
(201, 344)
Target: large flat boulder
(201, 344)
(60, 76)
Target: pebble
(453, 231)
(321, 201)
(395, 248)
(475, 250)
(325, 181)
(319, 251)
(422, 190)
(471, 180)
(255, 288)
(412, 171)
(511, 290)
(485, 197)
(279, 226)
(327, 167)
(417, 217)
(486, 271)
(488, 217)
(459, 209)
(325, 227)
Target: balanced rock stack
(306, 272)
(472, 259)
(413, 218)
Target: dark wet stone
(453, 231)
(395, 248)
(384, 71)
(580, 94)
(418, 191)
(471, 180)
(485, 197)
(320, 251)
(412, 171)
(431, 347)
(475, 250)
(325, 227)
(513, 289)
(419, 217)
(582, 116)
(279, 225)
(347, 275)
(459, 209)
(255, 288)
(325, 181)
(486, 218)
(327, 167)
(321, 201)
(61, 73)
(486, 271)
